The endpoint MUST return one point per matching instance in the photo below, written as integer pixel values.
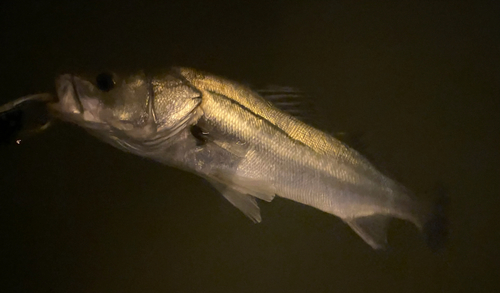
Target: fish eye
(105, 82)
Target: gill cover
(128, 111)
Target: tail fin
(429, 218)
(436, 227)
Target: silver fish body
(238, 141)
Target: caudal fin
(436, 228)
(430, 219)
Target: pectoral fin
(205, 133)
(244, 202)
(373, 229)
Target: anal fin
(372, 229)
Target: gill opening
(151, 97)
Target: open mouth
(77, 103)
(67, 92)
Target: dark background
(419, 80)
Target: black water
(419, 80)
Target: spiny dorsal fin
(290, 100)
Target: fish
(249, 149)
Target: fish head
(130, 111)
(106, 102)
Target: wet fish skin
(241, 143)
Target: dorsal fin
(290, 100)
